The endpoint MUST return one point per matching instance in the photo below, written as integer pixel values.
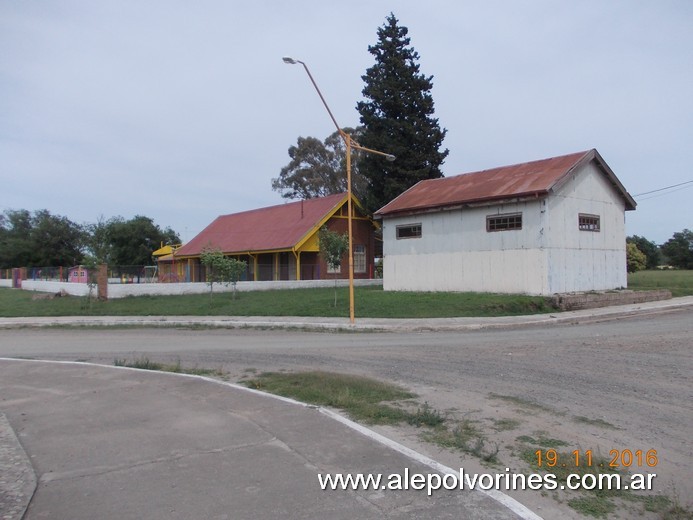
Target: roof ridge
(524, 163)
(309, 200)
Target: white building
(543, 227)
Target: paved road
(621, 384)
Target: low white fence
(157, 289)
(4, 282)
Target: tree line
(675, 252)
(41, 239)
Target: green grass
(542, 440)
(679, 282)
(144, 363)
(371, 302)
(465, 437)
(361, 397)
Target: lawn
(371, 302)
(679, 282)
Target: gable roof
(273, 228)
(531, 179)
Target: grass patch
(504, 425)
(371, 302)
(426, 416)
(144, 363)
(361, 397)
(372, 401)
(679, 282)
(466, 437)
(541, 440)
(596, 506)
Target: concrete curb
(361, 325)
(17, 476)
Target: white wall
(153, 289)
(4, 282)
(586, 260)
(456, 253)
(73, 289)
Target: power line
(662, 189)
(662, 194)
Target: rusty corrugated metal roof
(528, 179)
(266, 229)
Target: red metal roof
(529, 179)
(265, 229)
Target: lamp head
(390, 157)
(290, 61)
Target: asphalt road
(616, 385)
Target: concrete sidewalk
(115, 444)
(361, 324)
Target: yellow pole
(351, 236)
(349, 145)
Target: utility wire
(662, 189)
(662, 194)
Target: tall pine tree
(397, 116)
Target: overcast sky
(183, 111)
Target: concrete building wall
(456, 253)
(581, 260)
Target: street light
(349, 143)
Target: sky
(182, 111)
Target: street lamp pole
(350, 144)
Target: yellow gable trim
(309, 243)
(314, 230)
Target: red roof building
(551, 226)
(281, 242)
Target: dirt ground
(617, 385)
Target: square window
(588, 222)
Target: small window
(588, 222)
(359, 258)
(504, 222)
(409, 231)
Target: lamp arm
(322, 98)
(357, 146)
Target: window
(504, 222)
(359, 258)
(409, 231)
(588, 222)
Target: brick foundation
(573, 302)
